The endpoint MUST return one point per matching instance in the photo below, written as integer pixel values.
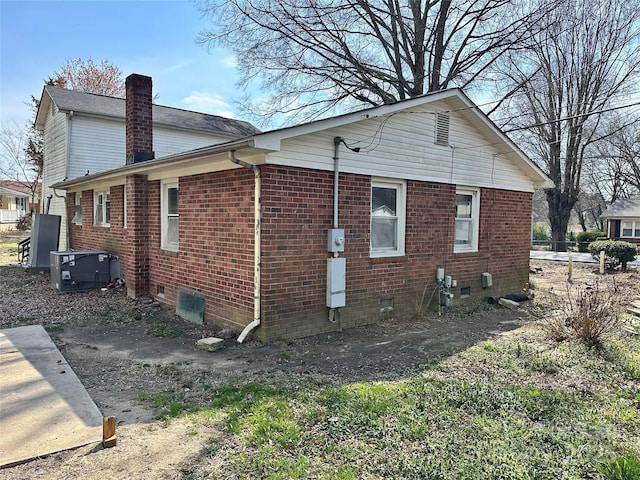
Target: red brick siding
(216, 231)
(298, 210)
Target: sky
(150, 37)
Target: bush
(616, 253)
(588, 314)
(541, 232)
(24, 222)
(585, 238)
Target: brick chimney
(139, 119)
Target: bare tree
(15, 164)
(87, 76)
(313, 55)
(575, 71)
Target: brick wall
(298, 210)
(216, 226)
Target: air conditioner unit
(80, 270)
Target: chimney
(139, 120)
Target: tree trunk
(560, 206)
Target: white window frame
(401, 211)
(166, 243)
(474, 220)
(635, 228)
(105, 196)
(77, 209)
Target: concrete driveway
(564, 257)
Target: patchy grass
(163, 330)
(516, 407)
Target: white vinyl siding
(170, 215)
(402, 146)
(55, 169)
(388, 217)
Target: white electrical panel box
(336, 282)
(487, 280)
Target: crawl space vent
(386, 304)
(442, 129)
(190, 305)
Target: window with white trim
(169, 199)
(102, 208)
(77, 209)
(467, 220)
(388, 199)
(630, 228)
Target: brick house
(623, 220)
(320, 226)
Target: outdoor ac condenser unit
(73, 271)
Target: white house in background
(85, 134)
(14, 203)
(623, 220)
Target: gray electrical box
(336, 282)
(45, 234)
(73, 271)
(336, 240)
(487, 280)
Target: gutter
(257, 243)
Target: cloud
(208, 103)
(229, 62)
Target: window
(102, 202)
(631, 228)
(170, 215)
(387, 218)
(77, 209)
(467, 220)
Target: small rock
(226, 333)
(210, 344)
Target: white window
(467, 220)
(631, 228)
(170, 215)
(77, 209)
(102, 203)
(388, 198)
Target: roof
(623, 208)
(270, 141)
(103, 106)
(14, 188)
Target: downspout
(66, 171)
(257, 241)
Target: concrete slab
(43, 406)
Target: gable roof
(112, 107)
(623, 208)
(10, 187)
(270, 141)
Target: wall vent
(386, 304)
(442, 129)
(465, 292)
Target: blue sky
(155, 38)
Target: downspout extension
(257, 245)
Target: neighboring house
(320, 226)
(15, 198)
(85, 134)
(623, 220)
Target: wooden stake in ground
(109, 432)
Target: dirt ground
(121, 348)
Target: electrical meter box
(73, 271)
